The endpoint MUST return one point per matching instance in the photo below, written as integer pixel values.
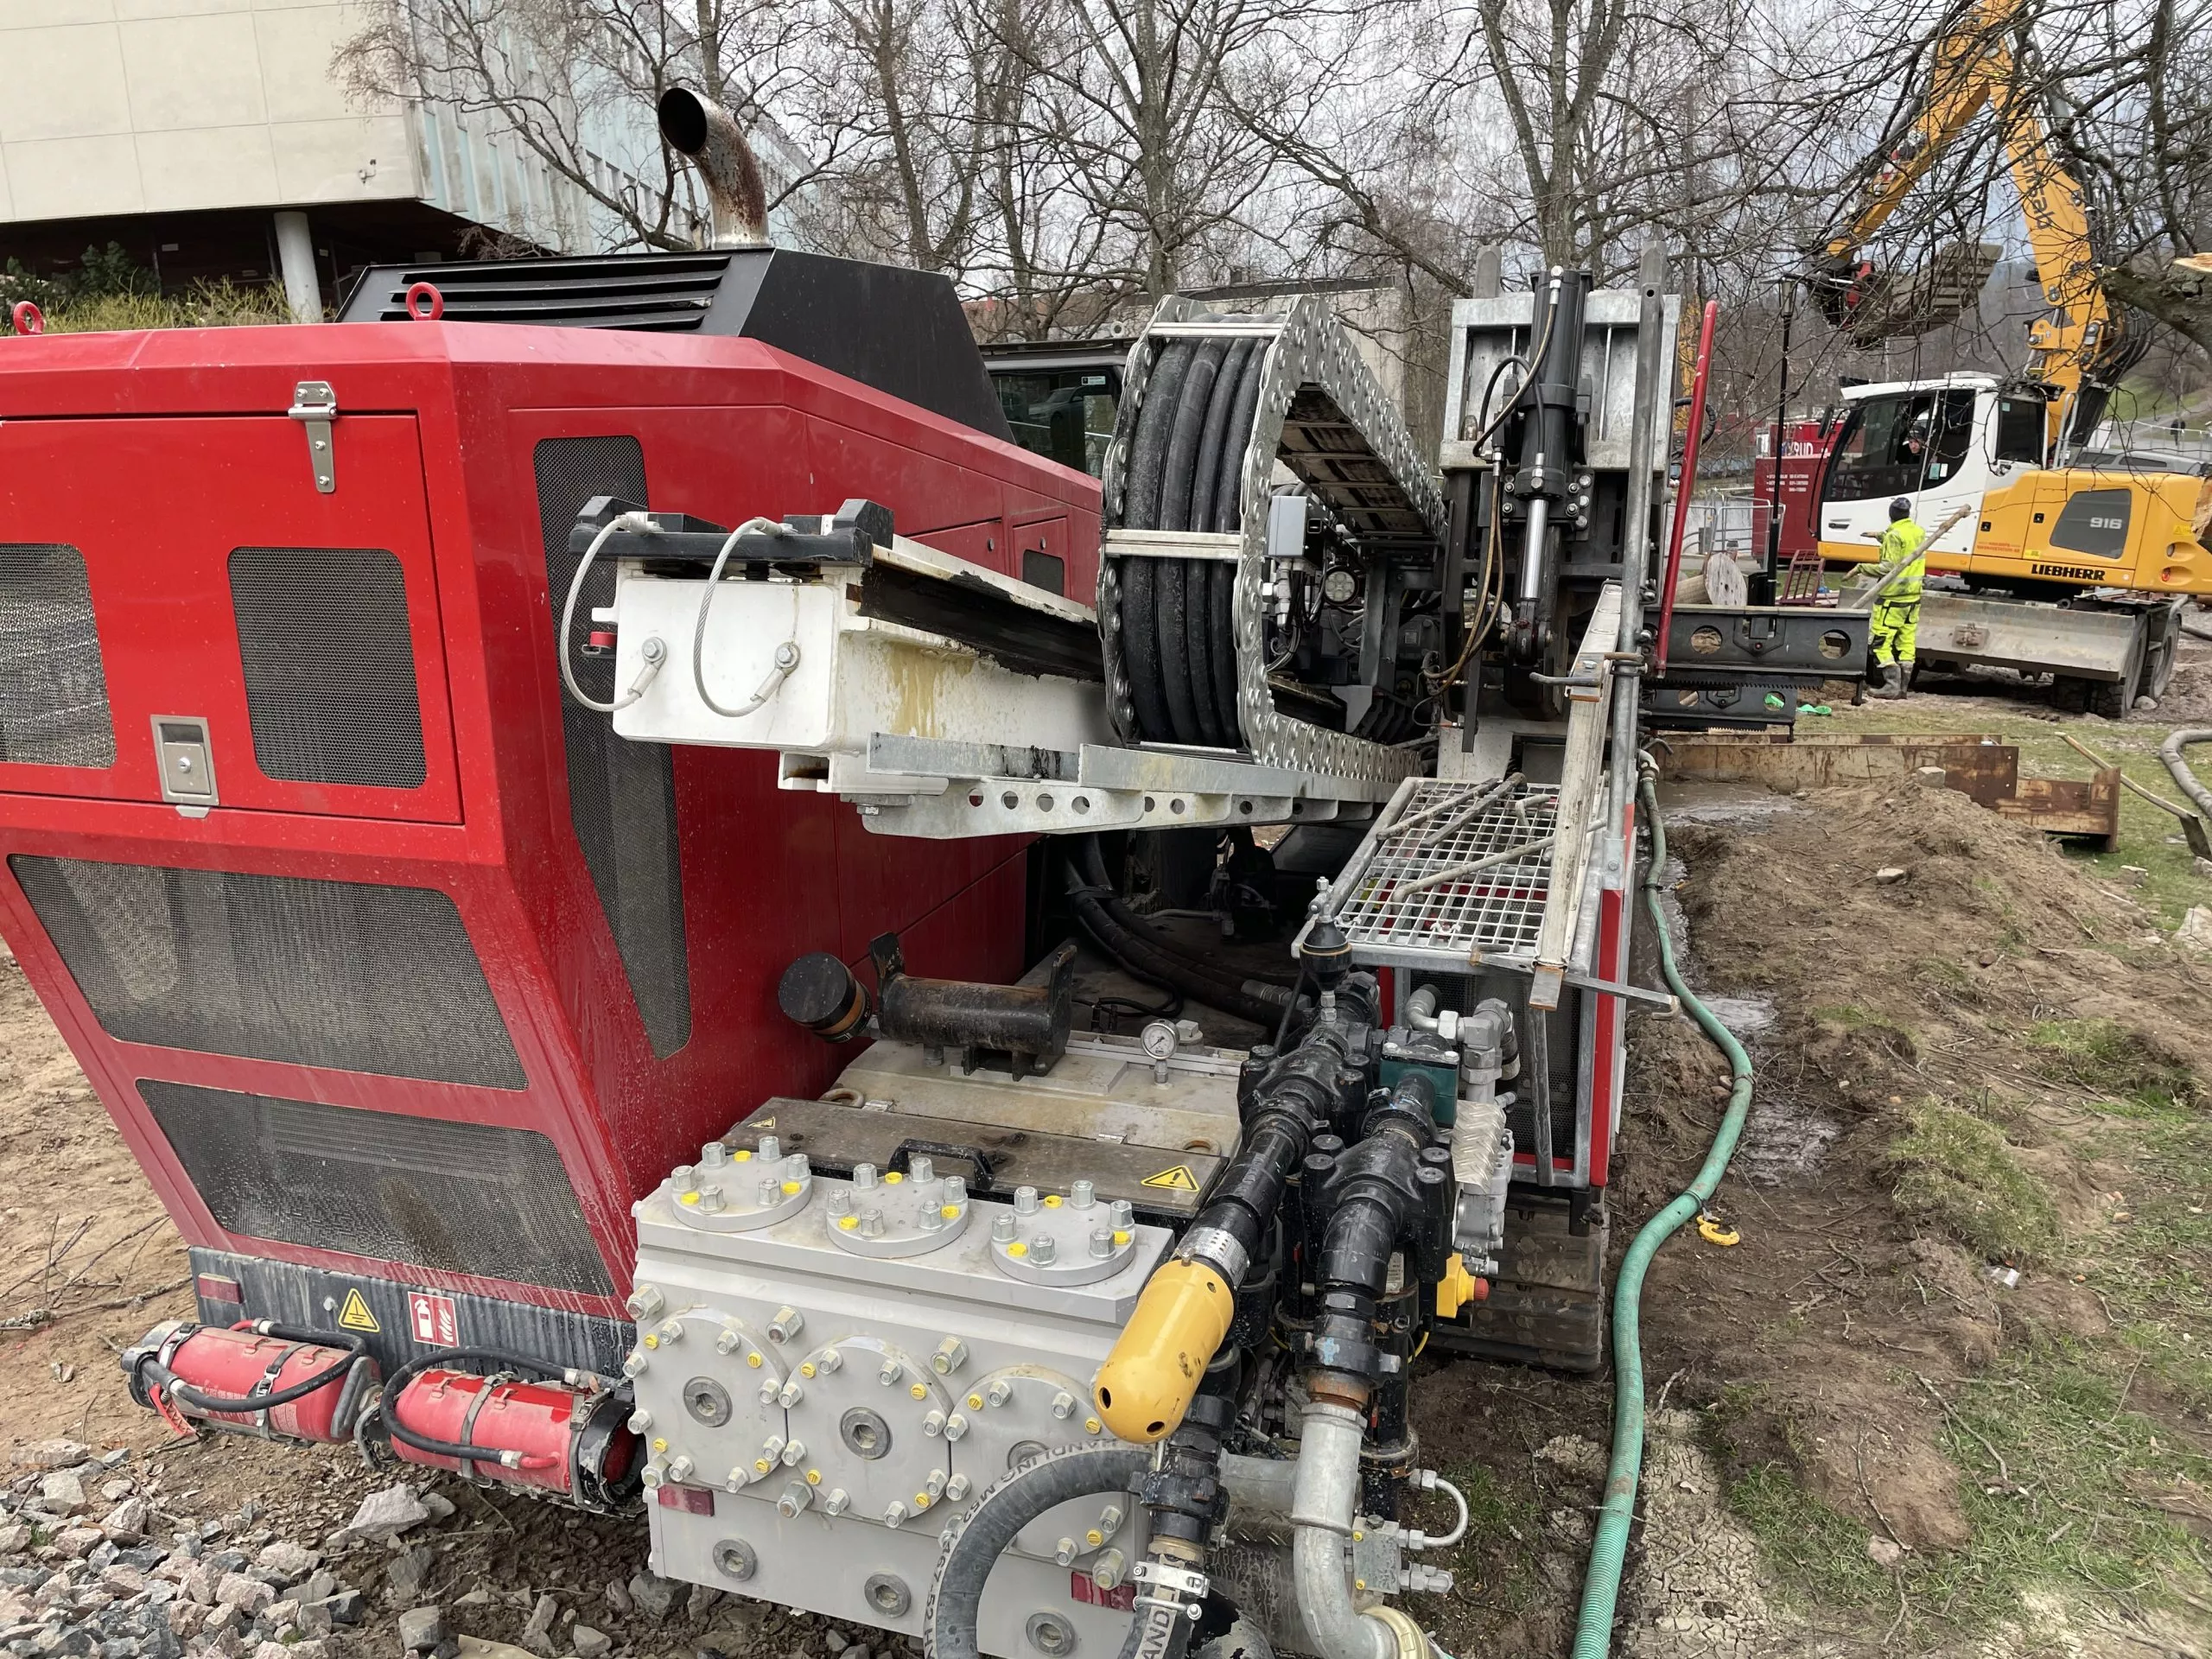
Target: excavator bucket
(1887, 305)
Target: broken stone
(653, 1595)
(1889, 875)
(422, 1629)
(387, 1514)
(617, 1597)
(61, 1492)
(701, 1600)
(121, 1580)
(74, 1542)
(291, 1561)
(537, 1630)
(589, 1644)
(248, 1595)
(2195, 932)
(13, 1537)
(345, 1607)
(58, 1454)
(127, 1520)
(439, 1506)
(409, 1570)
(835, 1640)
(1883, 1552)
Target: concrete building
(211, 139)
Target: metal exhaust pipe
(716, 145)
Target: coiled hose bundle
(1186, 463)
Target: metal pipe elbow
(1322, 1506)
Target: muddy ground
(1947, 1393)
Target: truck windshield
(1882, 447)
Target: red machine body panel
(166, 460)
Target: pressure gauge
(1159, 1039)
(1339, 585)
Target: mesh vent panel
(336, 974)
(461, 1198)
(631, 852)
(329, 667)
(53, 707)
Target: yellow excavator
(2104, 553)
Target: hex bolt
(710, 1200)
(951, 1354)
(684, 1179)
(794, 1452)
(1107, 1571)
(771, 1391)
(796, 1496)
(1043, 1250)
(892, 1371)
(831, 1362)
(791, 1395)
(872, 1223)
(1001, 1228)
(1081, 1195)
(955, 1489)
(1124, 1215)
(640, 1420)
(769, 1190)
(671, 1331)
(1064, 1552)
(955, 1427)
(729, 1343)
(956, 1190)
(932, 1222)
(841, 1201)
(634, 1364)
(796, 1168)
(714, 1154)
(935, 1484)
(680, 1467)
(934, 1423)
(894, 1514)
(1102, 1242)
(1024, 1200)
(921, 1169)
(838, 1502)
(786, 1326)
(645, 1303)
(652, 1476)
(771, 1148)
(1001, 1392)
(863, 1176)
(1064, 1404)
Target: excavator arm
(2077, 345)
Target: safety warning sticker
(1178, 1180)
(433, 1318)
(355, 1315)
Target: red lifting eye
(599, 642)
(28, 319)
(425, 303)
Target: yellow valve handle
(1455, 1289)
(1161, 1357)
(1714, 1230)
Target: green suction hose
(1593, 1633)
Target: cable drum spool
(1215, 402)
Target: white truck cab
(1939, 443)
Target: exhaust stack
(712, 138)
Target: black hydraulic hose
(1192, 405)
(1282, 1031)
(1148, 962)
(1140, 511)
(1180, 586)
(395, 1384)
(1207, 583)
(1253, 983)
(1205, 476)
(1141, 643)
(974, 1542)
(177, 1388)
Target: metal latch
(188, 762)
(315, 406)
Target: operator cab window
(1950, 437)
(1063, 414)
(1884, 448)
(2018, 429)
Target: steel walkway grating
(1416, 893)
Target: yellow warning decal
(1178, 1180)
(355, 1315)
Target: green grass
(1958, 1172)
(2107, 1057)
(1494, 1562)
(209, 305)
(1819, 1555)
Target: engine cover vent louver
(668, 293)
(53, 707)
